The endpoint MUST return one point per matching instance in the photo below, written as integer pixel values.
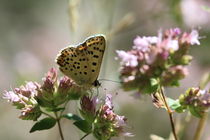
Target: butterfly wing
(73, 63)
(95, 48)
(83, 63)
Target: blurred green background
(32, 33)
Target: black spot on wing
(94, 63)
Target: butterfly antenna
(110, 80)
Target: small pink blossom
(108, 101)
(172, 45)
(120, 121)
(152, 39)
(127, 58)
(177, 31)
(129, 78)
(22, 94)
(29, 90)
(141, 44)
(194, 36)
(11, 96)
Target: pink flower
(11, 96)
(177, 31)
(172, 45)
(108, 101)
(141, 44)
(162, 55)
(24, 98)
(194, 36)
(29, 90)
(127, 58)
(191, 38)
(129, 78)
(22, 94)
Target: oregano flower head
(156, 60)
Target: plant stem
(47, 114)
(59, 126)
(200, 127)
(84, 136)
(64, 107)
(170, 114)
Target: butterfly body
(82, 62)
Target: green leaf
(154, 82)
(71, 116)
(55, 109)
(43, 124)
(83, 125)
(89, 117)
(180, 109)
(175, 83)
(173, 104)
(74, 96)
(195, 111)
(152, 87)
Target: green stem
(84, 136)
(169, 114)
(200, 127)
(59, 126)
(47, 114)
(63, 110)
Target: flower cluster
(107, 124)
(156, 60)
(24, 99)
(55, 92)
(35, 99)
(50, 94)
(196, 100)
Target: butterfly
(82, 62)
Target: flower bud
(197, 100)
(48, 88)
(173, 74)
(30, 113)
(108, 124)
(88, 107)
(64, 90)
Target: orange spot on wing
(82, 48)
